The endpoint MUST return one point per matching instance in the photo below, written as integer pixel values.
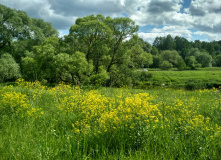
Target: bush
(165, 65)
(100, 78)
(201, 85)
(9, 69)
(145, 76)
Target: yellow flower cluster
(93, 113)
(97, 114)
(15, 102)
(35, 85)
(187, 117)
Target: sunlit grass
(66, 122)
(190, 79)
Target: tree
(80, 68)
(197, 44)
(122, 28)
(218, 60)
(92, 32)
(180, 63)
(136, 40)
(154, 51)
(182, 46)
(139, 58)
(204, 59)
(46, 64)
(42, 29)
(165, 65)
(191, 62)
(156, 61)
(164, 43)
(169, 43)
(30, 70)
(19, 33)
(121, 76)
(171, 56)
(63, 62)
(14, 24)
(100, 78)
(39, 64)
(193, 52)
(159, 43)
(145, 60)
(9, 69)
(102, 40)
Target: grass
(190, 79)
(66, 122)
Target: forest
(98, 50)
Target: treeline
(180, 53)
(98, 50)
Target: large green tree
(102, 39)
(122, 28)
(93, 35)
(19, 33)
(14, 24)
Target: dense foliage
(98, 50)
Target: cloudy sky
(192, 19)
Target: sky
(192, 19)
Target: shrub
(165, 65)
(9, 69)
(145, 76)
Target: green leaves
(102, 41)
(140, 58)
(9, 69)
(14, 24)
(17, 25)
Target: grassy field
(66, 122)
(190, 79)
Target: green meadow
(66, 122)
(203, 78)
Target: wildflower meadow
(67, 122)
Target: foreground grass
(66, 122)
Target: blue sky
(185, 4)
(192, 19)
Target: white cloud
(159, 12)
(206, 15)
(163, 32)
(210, 36)
(202, 15)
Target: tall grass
(67, 122)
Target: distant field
(200, 78)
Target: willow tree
(122, 28)
(14, 24)
(93, 35)
(102, 38)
